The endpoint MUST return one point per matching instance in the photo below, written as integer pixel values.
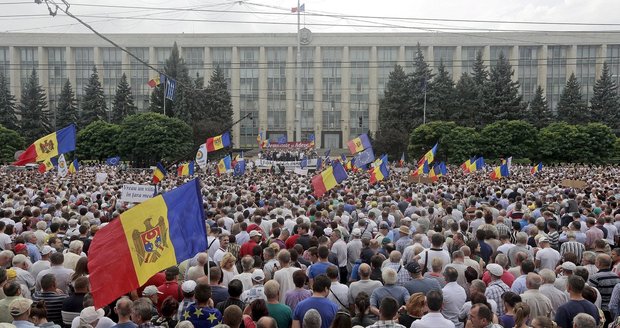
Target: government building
(343, 75)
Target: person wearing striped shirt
(53, 300)
(605, 281)
(572, 246)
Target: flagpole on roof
(298, 69)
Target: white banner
(301, 171)
(135, 193)
(62, 166)
(288, 165)
(201, 156)
(101, 177)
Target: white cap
(47, 250)
(258, 275)
(495, 269)
(188, 286)
(570, 266)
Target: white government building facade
(343, 75)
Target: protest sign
(135, 193)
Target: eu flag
(113, 161)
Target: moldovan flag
(186, 169)
(159, 173)
(201, 156)
(218, 142)
(380, 172)
(422, 169)
(224, 165)
(152, 236)
(536, 169)
(328, 179)
(429, 156)
(358, 144)
(74, 166)
(466, 166)
(45, 166)
(499, 172)
(53, 144)
(401, 162)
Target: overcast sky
(322, 16)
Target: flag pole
(298, 69)
(165, 89)
(424, 119)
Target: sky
(321, 16)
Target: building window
(332, 87)
(248, 94)
(28, 59)
(613, 59)
(556, 73)
(276, 88)
(496, 50)
(57, 76)
(528, 72)
(387, 58)
(112, 71)
(222, 58)
(194, 59)
(84, 63)
(468, 58)
(5, 61)
(140, 75)
(161, 55)
(586, 69)
(445, 55)
(359, 91)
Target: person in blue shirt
(200, 314)
(319, 267)
(318, 301)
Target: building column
(15, 72)
(98, 62)
(152, 57)
(602, 54)
(373, 96)
(71, 68)
(207, 65)
(235, 94)
(430, 56)
(486, 55)
(514, 62)
(291, 92)
(262, 89)
(43, 71)
(126, 68)
(345, 99)
(318, 97)
(401, 56)
(543, 54)
(571, 61)
(457, 63)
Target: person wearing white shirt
(339, 247)
(338, 293)
(454, 297)
(219, 253)
(425, 258)
(284, 274)
(434, 318)
(546, 257)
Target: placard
(101, 177)
(301, 171)
(135, 193)
(580, 184)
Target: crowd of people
(466, 252)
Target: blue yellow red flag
(358, 144)
(536, 168)
(51, 145)
(224, 165)
(328, 179)
(159, 173)
(218, 142)
(499, 172)
(74, 166)
(380, 171)
(429, 156)
(152, 236)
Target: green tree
(604, 103)
(215, 113)
(598, 144)
(93, 102)
(508, 138)
(420, 86)
(67, 108)
(98, 140)
(571, 107)
(538, 114)
(503, 99)
(150, 137)
(481, 92)
(456, 143)
(480, 74)
(8, 110)
(33, 107)
(122, 105)
(10, 142)
(442, 100)
(175, 69)
(468, 105)
(394, 115)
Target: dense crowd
(287, 155)
(466, 252)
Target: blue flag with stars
(206, 317)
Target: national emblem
(152, 242)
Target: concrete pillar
(98, 58)
(373, 97)
(291, 91)
(401, 56)
(43, 71)
(16, 84)
(542, 66)
(514, 62)
(318, 97)
(571, 61)
(126, 68)
(152, 59)
(457, 63)
(430, 56)
(235, 93)
(601, 53)
(345, 113)
(207, 65)
(262, 88)
(486, 55)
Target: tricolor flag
(381, 171)
(311, 139)
(499, 172)
(536, 168)
(466, 166)
(185, 169)
(422, 169)
(63, 170)
(45, 166)
(299, 9)
(328, 179)
(148, 238)
(201, 156)
(224, 165)
(438, 170)
(51, 145)
(154, 82)
(159, 173)
(218, 142)
(74, 166)
(429, 156)
(401, 162)
(358, 144)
